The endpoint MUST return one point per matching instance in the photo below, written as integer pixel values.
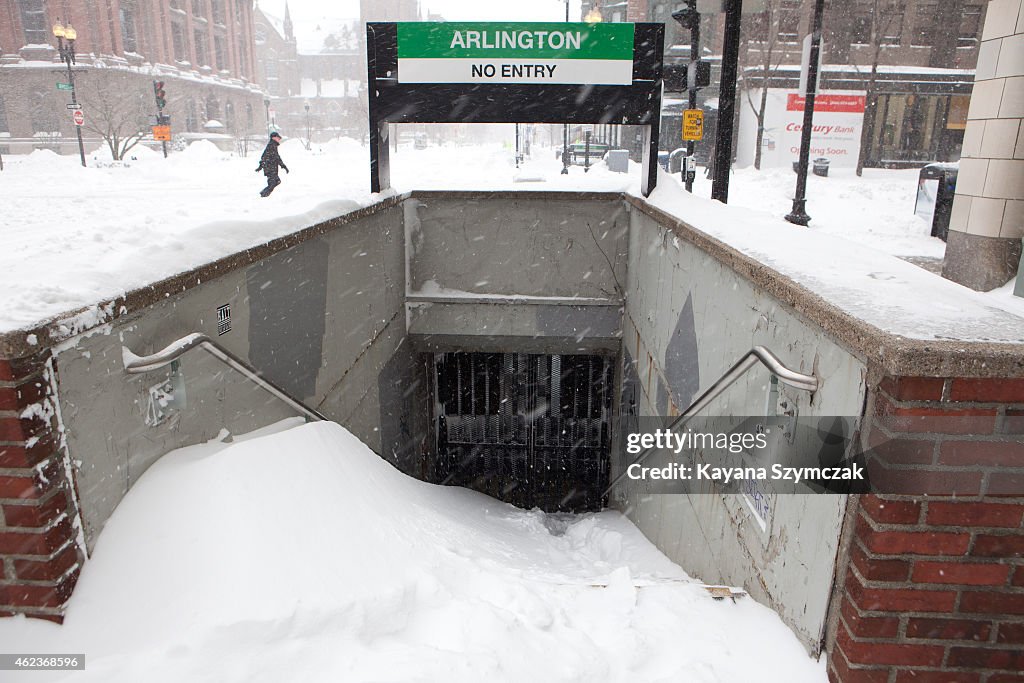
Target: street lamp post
(66, 50)
(308, 127)
(798, 215)
(266, 108)
(565, 126)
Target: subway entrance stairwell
(532, 430)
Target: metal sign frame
(638, 104)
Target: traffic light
(161, 96)
(687, 16)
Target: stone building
(315, 74)
(202, 50)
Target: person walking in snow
(269, 163)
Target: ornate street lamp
(66, 36)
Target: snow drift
(299, 555)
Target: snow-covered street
(299, 555)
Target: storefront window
(913, 129)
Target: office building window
(220, 52)
(202, 51)
(128, 35)
(924, 24)
(789, 21)
(970, 26)
(178, 42)
(891, 26)
(33, 20)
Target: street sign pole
(691, 145)
(78, 126)
(727, 101)
(158, 92)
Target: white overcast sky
(305, 11)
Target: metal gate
(531, 430)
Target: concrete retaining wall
(530, 272)
(688, 318)
(322, 319)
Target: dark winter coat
(271, 160)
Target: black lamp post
(799, 215)
(308, 127)
(66, 36)
(266, 108)
(565, 126)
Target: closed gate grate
(531, 430)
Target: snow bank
(301, 555)
(882, 290)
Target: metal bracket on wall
(166, 398)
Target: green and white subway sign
(557, 54)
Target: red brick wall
(933, 585)
(40, 556)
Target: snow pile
(875, 210)
(889, 293)
(113, 228)
(302, 556)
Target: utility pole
(798, 215)
(727, 101)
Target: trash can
(820, 167)
(936, 186)
(617, 160)
(675, 160)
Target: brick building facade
(202, 49)
(927, 48)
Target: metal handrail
(790, 378)
(180, 347)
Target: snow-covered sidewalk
(299, 555)
(73, 237)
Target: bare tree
(762, 58)
(884, 23)
(117, 109)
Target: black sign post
(488, 101)
(726, 101)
